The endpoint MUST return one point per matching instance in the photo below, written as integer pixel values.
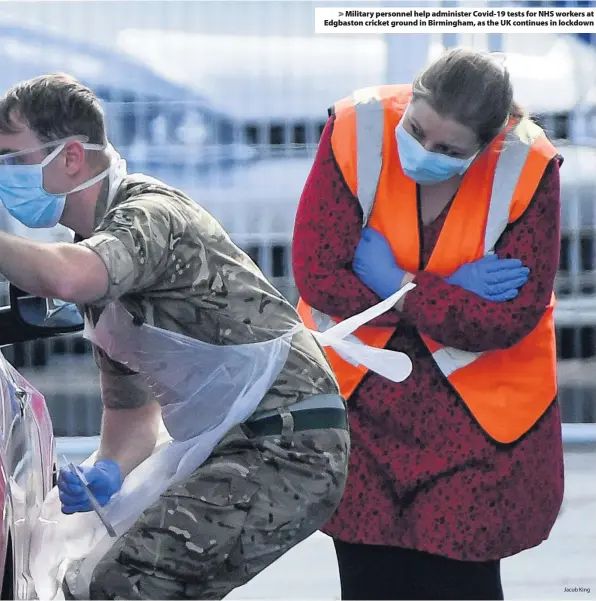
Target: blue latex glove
(104, 478)
(491, 278)
(375, 264)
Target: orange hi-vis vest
(506, 390)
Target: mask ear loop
(92, 181)
(52, 155)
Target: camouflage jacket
(172, 263)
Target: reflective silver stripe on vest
(516, 148)
(370, 123)
(450, 359)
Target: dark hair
(54, 106)
(469, 87)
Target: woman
(447, 185)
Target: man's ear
(74, 157)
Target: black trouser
(375, 572)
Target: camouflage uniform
(172, 264)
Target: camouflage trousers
(249, 503)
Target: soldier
(273, 479)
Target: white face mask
(23, 194)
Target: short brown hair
(54, 106)
(470, 87)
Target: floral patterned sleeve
(327, 231)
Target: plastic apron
(204, 391)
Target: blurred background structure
(226, 100)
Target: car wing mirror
(46, 315)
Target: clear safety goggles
(15, 158)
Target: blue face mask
(23, 194)
(423, 166)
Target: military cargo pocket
(222, 484)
